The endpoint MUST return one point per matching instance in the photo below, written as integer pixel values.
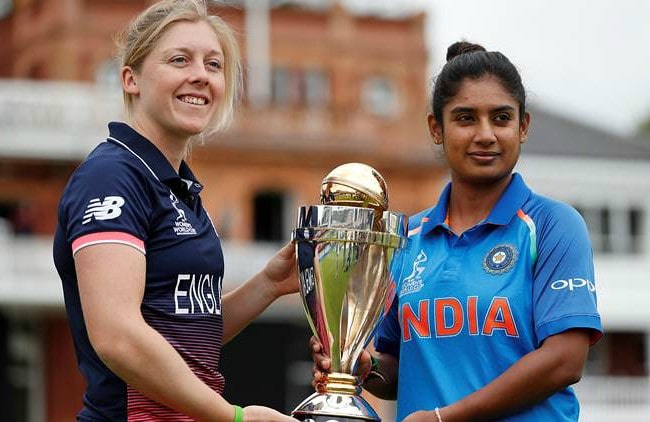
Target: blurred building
(606, 179)
(323, 87)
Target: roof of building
(553, 134)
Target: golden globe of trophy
(345, 252)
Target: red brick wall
(64, 383)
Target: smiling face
(481, 132)
(179, 85)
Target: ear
(129, 81)
(435, 130)
(523, 128)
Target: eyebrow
(461, 109)
(188, 51)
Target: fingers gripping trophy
(346, 249)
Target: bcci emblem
(500, 259)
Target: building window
(281, 88)
(37, 8)
(6, 6)
(107, 75)
(379, 96)
(316, 88)
(619, 353)
(299, 88)
(37, 71)
(635, 230)
(614, 230)
(626, 354)
(280, 387)
(21, 367)
(17, 218)
(269, 212)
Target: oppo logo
(573, 284)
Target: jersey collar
(512, 199)
(125, 136)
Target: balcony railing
(54, 119)
(28, 276)
(66, 120)
(606, 398)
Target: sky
(588, 60)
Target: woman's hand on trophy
(280, 271)
(264, 414)
(322, 364)
(364, 365)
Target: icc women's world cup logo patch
(414, 282)
(500, 259)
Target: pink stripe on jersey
(198, 340)
(107, 237)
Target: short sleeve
(387, 338)
(106, 201)
(564, 288)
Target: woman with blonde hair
(139, 258)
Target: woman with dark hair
(495, 310)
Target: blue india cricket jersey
(468, 307)
(127, 192)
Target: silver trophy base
(335, 407)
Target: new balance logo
(107, 209)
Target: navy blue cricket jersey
(468, 307)
(127, 192)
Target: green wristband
(374, 364)
(374, 371)
(239, 414)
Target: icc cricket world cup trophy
(346, 249)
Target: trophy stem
(338, 400)
(342, 384)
